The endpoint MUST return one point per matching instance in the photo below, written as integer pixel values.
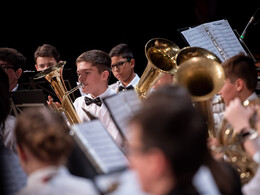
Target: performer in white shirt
(122, 66)
(43, 146)
(93, 69)
(240, 81)
(12, 62)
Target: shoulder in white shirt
(57, 180)
(99, 112)
(134, 82)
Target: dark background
(77, 26)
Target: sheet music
(217, 37)
(100, 146)
(121, 107)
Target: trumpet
(54, 75)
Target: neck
(127, 81)
(163, 186)
(243, 96)
(99, 92)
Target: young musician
(45, 56)
(122, 66)
(93, 69)
(13, 63)
(43, 145)
(240, 81)
(168, 148)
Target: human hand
(52, 104)
(238, 115)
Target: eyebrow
(87, 69)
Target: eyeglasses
(119, 64)
(6, 67)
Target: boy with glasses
(122, 67)
(12, 62)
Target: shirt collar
(134, 81)
(108, 92)
(252, 96)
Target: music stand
(22, 99)
(27, 82)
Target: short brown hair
(47, 50)
(97, 58)
(243, 67)
(45, 133)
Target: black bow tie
(96, 101)
(121, 88)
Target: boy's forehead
(84, 65)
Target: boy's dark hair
(12, 57)
(47, 50)
(97, 58)
(241, 66)
(121, 49)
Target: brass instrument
(231, 145)
(187, 53)
(54, 75)
(160, 54)
(201, 73)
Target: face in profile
(90, 78)
(228, 92)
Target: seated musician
(93, 69)
(45, 56)
(168, 148)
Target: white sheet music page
(121, 107)
(217, 37)
(100, 146)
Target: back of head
(122, 50)
(170, 122)
(241, 66)
(44, 133)
(4, 97)
(12, 57)
(47, 50)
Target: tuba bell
(53, 74)
(200, 71)
(160, 54)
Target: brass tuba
(231, 145)
(200, 71)
(160, 54)
(54, 75)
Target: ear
(132, 63)
(159, 164)
(21, 153)
(18, 72)
(240, 84)
(36, 67)
(105, 75)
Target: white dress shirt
(57, 180)
(100, 112)
(134, 82)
